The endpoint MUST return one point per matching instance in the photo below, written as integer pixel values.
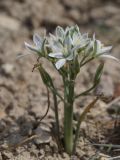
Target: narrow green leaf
(98, 73)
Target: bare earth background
(23, 98)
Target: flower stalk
(68, 115)
(68, 128)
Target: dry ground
(23, 98)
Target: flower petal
(93, 36)
(60, 63)
(85, 36)
(70, 57)
(30, 47)
(112, 57)
(68, 41)
(105, 49)
(37, 40)
(52, 36)
(60, 32)
(56, 55)
(55, 45)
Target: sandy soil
(23, 97)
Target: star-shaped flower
(65, 45)
(102, 51)
(38, 47)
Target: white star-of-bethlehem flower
(103, 51)
(38, 41)
(38, 46)
(96, 49)
(66, 44)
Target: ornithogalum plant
(68, 50)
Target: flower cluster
(68, 44)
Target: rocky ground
(23, 99)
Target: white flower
(96, 49)
(59, 32)
(78, 39)
(62, 52)
(60, 63)
(38, 46)
(66, 43)
(38, 41)
(102, 51)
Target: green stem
(87, 61)
(56, 116)
(68, 116)
(68, 129)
